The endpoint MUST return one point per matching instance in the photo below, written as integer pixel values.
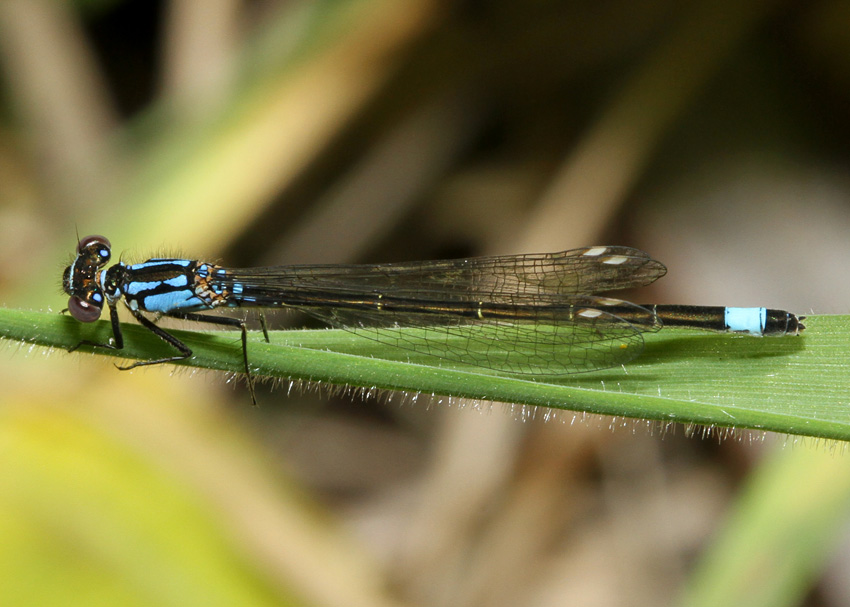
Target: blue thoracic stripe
(182, 299)
(162, 285)
(746, 320)
(138, 288)
(160, 261)
(178, 281)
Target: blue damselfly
(531, 315)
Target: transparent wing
(594, 335)
(584, 271)
(526, 314)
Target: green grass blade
(795, 385)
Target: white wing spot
(594, 251)
(615, 260)
(589, 313)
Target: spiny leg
(117, 335)
(227, 322)
(263, 326)
(186, 351)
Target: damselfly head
(80, 278)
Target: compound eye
(83, 310)
(96, 245)
(94, 238)
(95, 248)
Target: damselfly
(531, 315)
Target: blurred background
(713, 135)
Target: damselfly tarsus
(532, 315)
